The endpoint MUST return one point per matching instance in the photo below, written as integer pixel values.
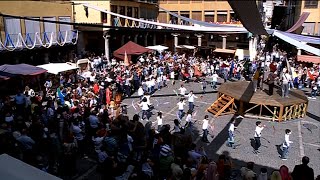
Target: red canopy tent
(130, 48)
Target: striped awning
(309, 59)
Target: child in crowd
(159, 120)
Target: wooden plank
(251, 108)
(270, 111)
(224, 108)
(257, 117)
(280, 113)
(212, 111)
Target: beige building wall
(212, 6)
(314, 16)
(34, 9)
(94, 16)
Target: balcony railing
(20, 41)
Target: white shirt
(191, 97)
(159, 120)
(180, 105)
(172, 74)
(176, 129)
(205, 124)
(287, 142)
(215, 77)
(189, 118)
(182, 90)
(144, 106)
(231, 127)
(140, 91)
(257, 132)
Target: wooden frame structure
(258, 104)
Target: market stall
(56, 68)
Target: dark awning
(249, 16)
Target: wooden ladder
(221, 105)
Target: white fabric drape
(64, 27)
(13, 28)
(296, 43)
(31, 28)
(191, 28)
(50, 28)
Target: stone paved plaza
(305, 132)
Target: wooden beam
(280, 113)
(225, 107)
(251, 108)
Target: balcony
(12, 42)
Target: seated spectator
(284, 172)
(263, 174)
(275, 175)
(247, 173)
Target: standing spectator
(203, 85)
(285, 83)
(303, 171)
(286, 145)
(257, 136)
(270, 81)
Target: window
(114, 9)
(13, 28)
(209, 16)
(308, 28)
(50, 28)
(184, 14)
(104, 17)
(31, 28)
(129, 11)
(197, 15)
(173, 19)
(162, 17)
(136, 12)
(65, 27)
(311, 4)
(233, 17)
(222, 16)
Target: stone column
(154, 39)
(106, 46)
(187, 41)
(250, 48)
(136, 38)
(146, 39)
(199, 36)
(175, 38)
(122, 39)
(299, 51)
(224, 41)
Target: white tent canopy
(56, 68)
(158, 48)
(185, 47)
(14, 169)
(297, 43)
